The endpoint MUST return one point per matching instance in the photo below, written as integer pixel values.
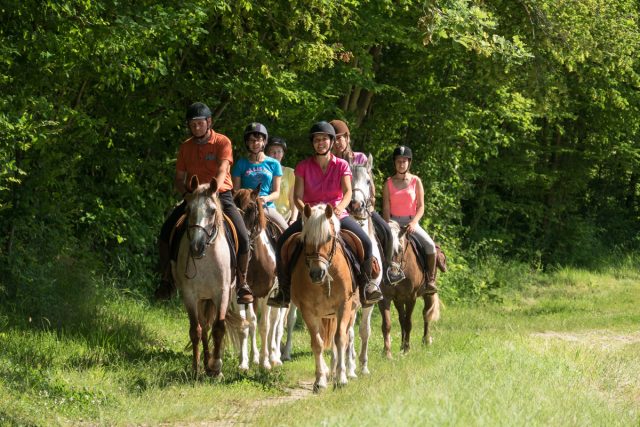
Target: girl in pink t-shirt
(403, 202)
(324, 178)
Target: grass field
(560, 350)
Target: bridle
(211, 234)
(317, 256)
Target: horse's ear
(307, 210)
(328, 211)
(255, 192)
(370, 163)
(193, 183)
(213, 185)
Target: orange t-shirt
(203, 160)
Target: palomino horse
(261, 276)
(322, 289)
(202, 273)
(404, 295)
(359, 210)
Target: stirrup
(278, 300)
(395, 274)
(245, 296)
(373, 296)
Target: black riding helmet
(198, 110)
(255, 127)
(322, 127)
(276, 140)
(402, 151)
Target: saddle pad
(288, 251)
(232, 238)
(355, 244)
(273, 232)
(176, 234)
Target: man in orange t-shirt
(207, 155)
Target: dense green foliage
(523, 117)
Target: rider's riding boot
(429, 285)
(245, 296)
(166, 289)
(282, 296)
(394, 273)
(372, 293)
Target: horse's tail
(433, 314)
(329, 328)
(234, 326)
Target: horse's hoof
(317, 388)
(365, 371)
(243, 368)
(352, 375)
(286, 357)
(275, 363)
(266, 366)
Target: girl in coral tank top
(403, 202)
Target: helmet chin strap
(201, 139)
(326, 152)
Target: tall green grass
(554, 348)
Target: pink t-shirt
(403, 202)
(322, 187)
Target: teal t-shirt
(254, 174)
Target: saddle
(181, 227)
(273, 232)
(421, 254)
(351, 244)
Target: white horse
(359, 210)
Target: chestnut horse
(261, 276)
(322, 289)
(405, 293)
(202, 273)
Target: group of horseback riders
(324, 177)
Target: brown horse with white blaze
(203, 274)
(322, 289)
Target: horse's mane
(316, 230)
(244, 201)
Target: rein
(211, 236)
(326, 261)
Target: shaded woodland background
(523, 117)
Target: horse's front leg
(385, 311)
(264, 325)
(292, 315)
(351, 349)
(408, 325)
(341, 343)
(195, 334)
(365, 333)
(314, 324)
(208, 311)
(254, 328)
(244, 338)
(219, 328)
(276, 329)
